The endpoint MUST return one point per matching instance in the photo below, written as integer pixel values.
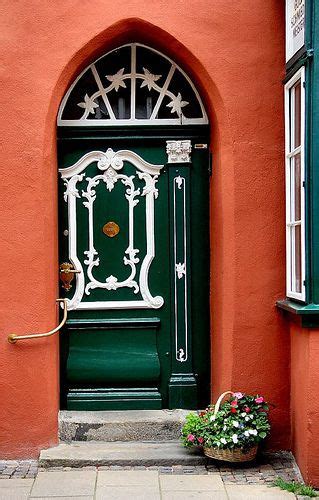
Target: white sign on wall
(295, 26)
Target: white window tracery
(132, 85)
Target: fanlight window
(132, 85)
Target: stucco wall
(234, 51)
(304, 401)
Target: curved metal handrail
(13, 338)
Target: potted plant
(229, 430)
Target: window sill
(308, 313)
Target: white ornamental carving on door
(111, 163)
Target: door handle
(67, 275)
(13, 338)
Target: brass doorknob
(67, 275)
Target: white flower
(243, 414)
(236, 424)
(246, 433)
(212, 418)
(246, 418)
(223, 440)
(224, 428)
(253, 432)
(251, 417)
(235, 438)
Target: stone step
(130, 425)
(80, 454)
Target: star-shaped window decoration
(88, 104)
(149, 79)
(177, 104)
(117, 79)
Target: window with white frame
(295, 198)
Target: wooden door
(134, 224)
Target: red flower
(247, 409)
(233, 410)
(234, 403)
(200, 440)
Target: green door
(134, 225)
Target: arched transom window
(132, 85)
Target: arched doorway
(134, 226)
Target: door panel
(128, 341)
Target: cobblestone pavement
(268, 467)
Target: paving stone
(190, 495)
(141, 484)
(64, 498)
(195, 483)
(165, 470)
(254, 491)
(15, 489)
(127, 492)
(127, 478)
(66, 483)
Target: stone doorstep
(80, 454)
(130, 425)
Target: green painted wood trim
(314, 154)
(297, 308)
(150, 132)
(114, 399)
(308, 314)
(114, 323)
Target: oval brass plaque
(111, 229)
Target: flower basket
(234, 455)
(229, 431)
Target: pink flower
(247, 409)
(191, 438)
(259, 400)
(234, 403)
(238, 395)
(200, 440)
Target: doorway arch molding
(134, 29)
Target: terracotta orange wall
(304, 400)
(234, 52)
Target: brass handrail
(13, 338)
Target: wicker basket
(234, 455)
